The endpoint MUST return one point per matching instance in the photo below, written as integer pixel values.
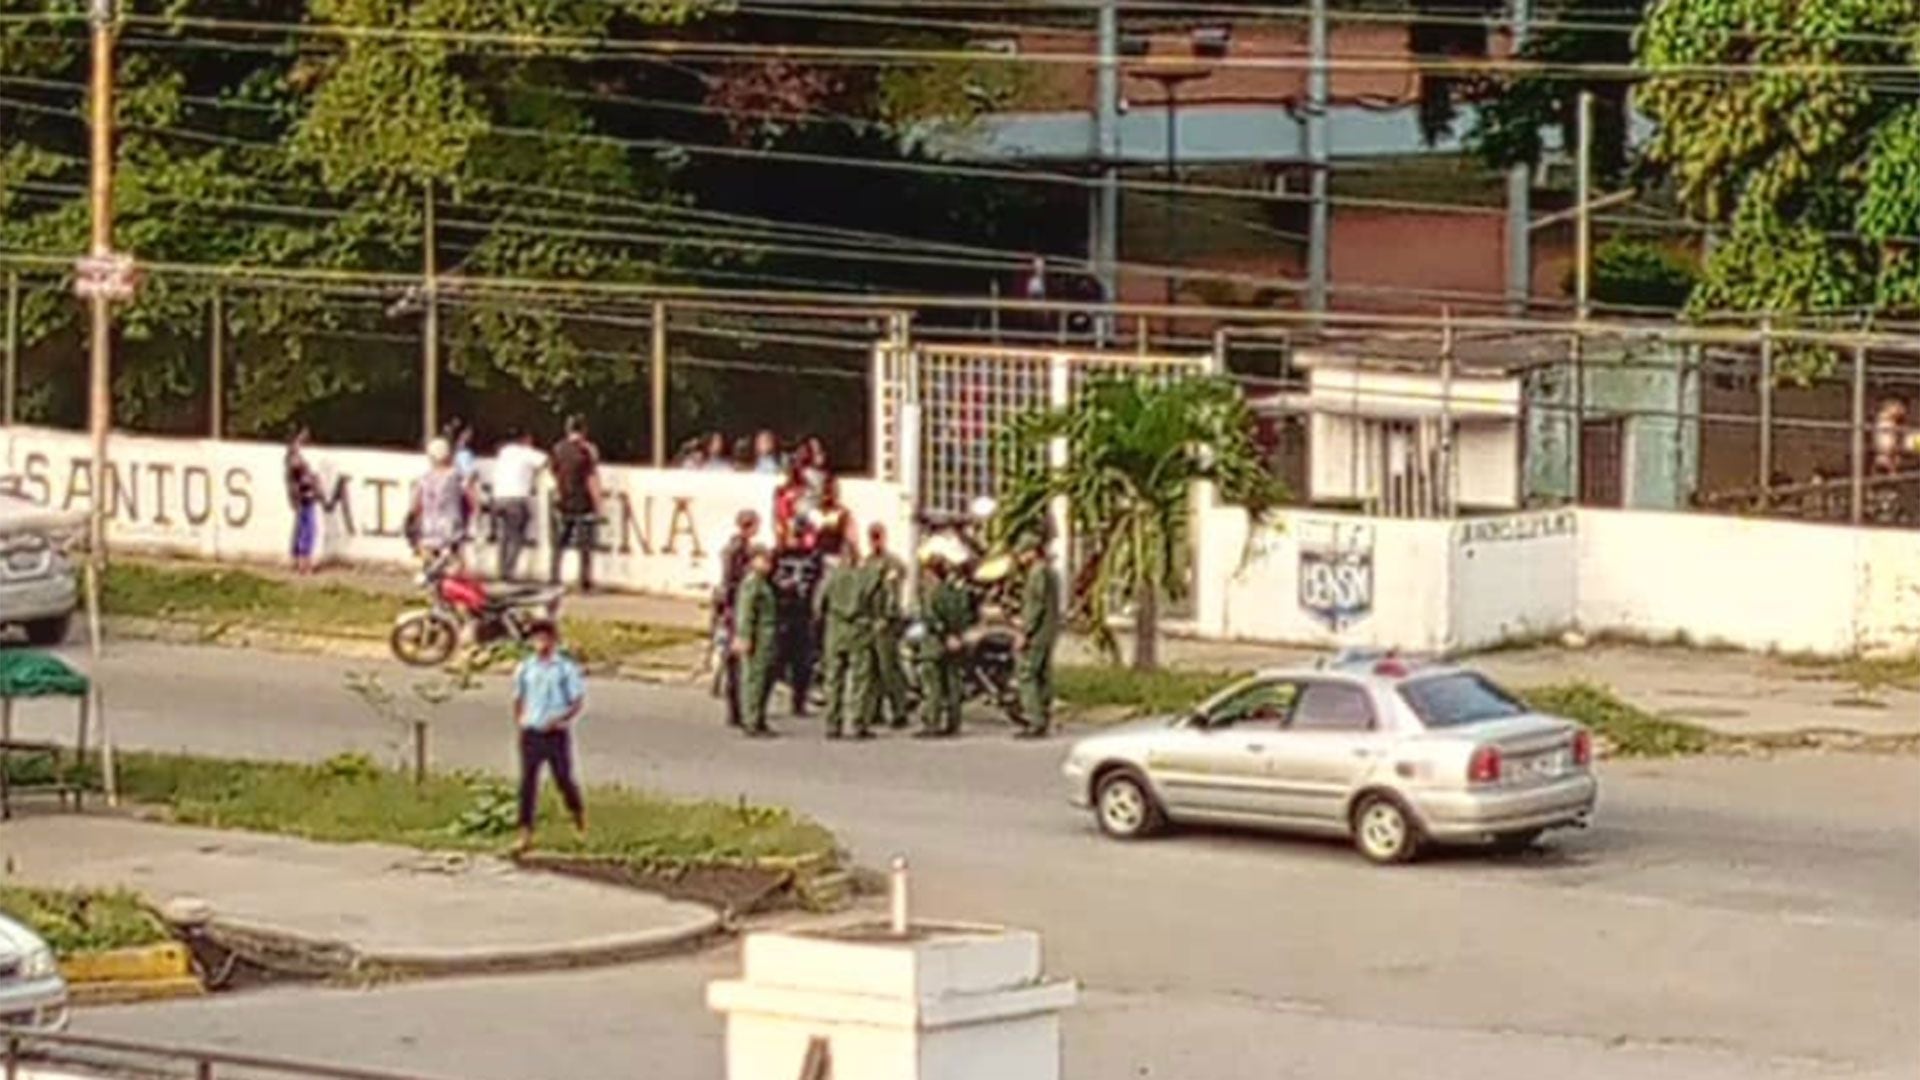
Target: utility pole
(1519, 200)
(100, 339)
(1106, 138)
(1317, 157)
(1583, 207)
(430, 331)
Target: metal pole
(430, 332)
(1583, 219)
(217, 366)
(1106, 121)
(1173, 189)
(1446, 412)
(1858, 434)
(1766, 412)
(1519, 200)
(1317, 158)
(658, 370)
(1577, 439)
(9, 409)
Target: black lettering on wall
(79, 483)
(683, 525)
(239, 509)
(196, 494)
(34, 483)
(162, 474)
(123, 490)
(636, 530)
(384, 524)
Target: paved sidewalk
(357, 906)
(1732, 693)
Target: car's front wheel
(1384, 831)
(1125, 807)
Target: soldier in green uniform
(892, 575)
(1039, 633)
(945, 613)
(848, 607)
(754, 631)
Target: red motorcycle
(461, 606)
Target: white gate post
(1059, 396)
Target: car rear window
(1458, 698)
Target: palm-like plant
(1135, 448)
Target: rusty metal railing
(89, 1053)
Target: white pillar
(947, 1001)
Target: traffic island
(111, 946)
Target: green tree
(1808, 156)
(1135, 449)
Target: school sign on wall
(226, 500)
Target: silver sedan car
(1384, 752)
(33, 995)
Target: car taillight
(1484, 766)
(1583, 747)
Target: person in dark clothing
(303, 496)
(736, 562)
(796, 574)
(575, 463)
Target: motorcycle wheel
(423, 639)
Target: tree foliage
(1135, 450)
(1808, 155)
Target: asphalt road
(1726, 918)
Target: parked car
(38, 588)
(33, 995)
(1384, 752)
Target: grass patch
(1886, 673)
(192, 594)
(351, 799)
(84, 920)
(1135, 693)
(226, 596)
(1627, 730)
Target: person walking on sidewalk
(736, 562)
(891, 580)
(1039, 633)
(577, 500)
(754, 642)
(516, 472)
(548, 696)
(849, 607)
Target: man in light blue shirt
(548, 695)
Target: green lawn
(84, 920)
(350, 798)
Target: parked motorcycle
(460, 606)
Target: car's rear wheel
(1384, 832)
(1125, 807)
(52, 631)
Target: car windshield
(1458, 698)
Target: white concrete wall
(226, 500)
(1323, 579)
(1512, 578)
(1750, 584)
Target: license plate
(1554, 763)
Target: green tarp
(25, 673)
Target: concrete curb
(120, 976)
(289, 952)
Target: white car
(1381, 751)
(33, 995)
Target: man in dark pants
(796, 574)
(892, 575)
(548, 695)
(577, 499)
(753, 643)
(736, 562)
(1039, 633)
(945, 615)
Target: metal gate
(940, 409)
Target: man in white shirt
(516, 472)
